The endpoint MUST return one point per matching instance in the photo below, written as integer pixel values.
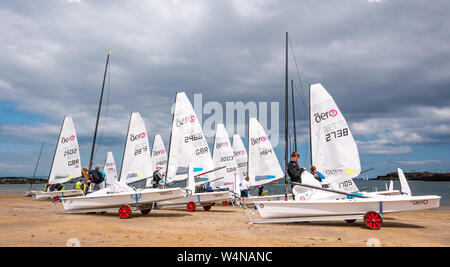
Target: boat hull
(360, 206)
(199, 199)
(136, 198)
(43, 195)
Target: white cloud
(419, 162)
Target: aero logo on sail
(183, 121)
(318, 117)
(137, 136)
(67, 139)
(255, 141)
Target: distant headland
(21, 180)
(418, 176)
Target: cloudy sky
(386, 63)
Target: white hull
(41, 195)
(112, 200)
(199, 199)
(360, 206)
(255, 199)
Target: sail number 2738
(336, 134)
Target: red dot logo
(192, 118)
(72, 137)
(261, 206)
(263, 138)
(333, 113)
(143, 135)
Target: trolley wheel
(373, 220)
(207, 208)
(146, 211)
(225, 203)
(191, 206)
(350, 221)
(124, 212)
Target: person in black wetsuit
(157, 177)
(294, 171)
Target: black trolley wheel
(207, 208)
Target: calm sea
(417, 187)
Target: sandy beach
(25, 222)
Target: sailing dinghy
(334, 151)
(223, 156)
(263, 166)
(159, 158)
(66, 163)
(188, 148)
(136, 166)
(110, 169)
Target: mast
(99, 110)
(286, 121)
(125, 147)
(37, 163)
(310, 138)
(56, 148)
(293, 116)
(170, 140)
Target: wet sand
(26, 222)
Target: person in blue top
(318, 175)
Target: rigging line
(306, 126)
(301, 93)
(108, 91)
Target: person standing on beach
(294, 171)
(244, 191)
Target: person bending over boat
(98, 177)
(294, 171)
(318, 175)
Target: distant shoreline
(417, 176)
(411, 176)
(22, 180)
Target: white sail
(136, 163)
(66, 160)
(110, 169)
(262, 161)
(334, 151)
(240, 156)
(223, 156)
(188, 145)
(159, 157)
(403, 183)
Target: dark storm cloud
(382, 62)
